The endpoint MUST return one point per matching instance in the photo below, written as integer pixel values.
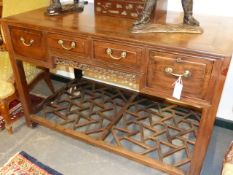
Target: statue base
(166, 28)
(68, 8)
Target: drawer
(164, 68)
(68, 44)
(28, 43)
(118, 55)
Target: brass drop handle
(186, 73)
(26, 44)
(109, 52)
(72, 45)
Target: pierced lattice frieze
(87, 107)
(160, 131)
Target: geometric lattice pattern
(160, 131)
(86, 107)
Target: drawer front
(164, 69)
(118, 55)
(28, 43)
(68, 44)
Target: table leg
(19, 75)
(208, 118)
(78, 73)
(201, 146)
(22, 88)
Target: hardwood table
(148, 126)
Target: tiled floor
(72, 157)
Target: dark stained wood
(206, 55)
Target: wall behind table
(12, 7)
(212, 8)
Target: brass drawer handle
(26, 44)
(186, 73)
(109, 52)
(72, 45)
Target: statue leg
(55, 7)
(79, 5)
(145, 16)
(188, 13)
(76, 1)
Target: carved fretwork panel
(126, 80)
(119, 8)
(159, 131)
(87, 107)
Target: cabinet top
(217, 38)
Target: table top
(216, 40)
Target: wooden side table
(151, 119)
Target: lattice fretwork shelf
(133, 125)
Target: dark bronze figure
(150, 5)
(56, 8)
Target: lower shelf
(154, 133)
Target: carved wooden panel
(121, 8)
(106, 75)
(154, 129)
(163, 132)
